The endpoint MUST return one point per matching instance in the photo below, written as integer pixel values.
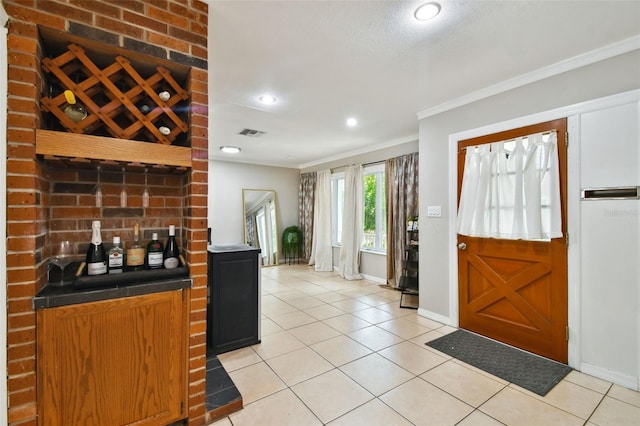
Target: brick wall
(72, 207)
(46, 202)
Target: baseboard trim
(435, 316)
(621, 379)
(376, 280)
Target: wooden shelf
(80, 148)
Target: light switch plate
(434, 211)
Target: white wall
(609, 294)
(226, 182)
(438, 255)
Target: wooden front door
(515, 291)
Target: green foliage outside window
(374, 212)
(369, 202)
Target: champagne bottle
(154, 252)
(96, 255)
(171, 251)
(135, 253)
(116, 257)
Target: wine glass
(123, 191)
(145, 192)
(97, 190)
(62, 255)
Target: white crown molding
(624, 46)
(400, 141)
(338, 157)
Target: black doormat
(530, 371)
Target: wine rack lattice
(115, 98)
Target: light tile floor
(337, 352)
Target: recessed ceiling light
(427, 11)
(352, 122)
(230, 149)
(267, 99)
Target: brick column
(171, 30)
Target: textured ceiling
(329, 60)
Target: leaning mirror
(260, 218)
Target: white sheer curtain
(511, 189)
(349, 264)
(321, 251)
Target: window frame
(377, 169)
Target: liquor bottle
(164, 96)
(164, 130)
(135, 253)
(154, 252)
(171, 251)
(116, 257)
(96, 255)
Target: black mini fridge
(233, 308)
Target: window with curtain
(337, 207)
(375, 212)
(511, 189)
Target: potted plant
(291, 243)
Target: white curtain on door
(321, 251)
(511, 189)
(352, 226)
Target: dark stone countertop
(52, 296)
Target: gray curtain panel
(306, 195)
(402, 201)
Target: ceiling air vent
(250, 132)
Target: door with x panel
(515, 290)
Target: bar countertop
(53, 296)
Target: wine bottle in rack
(96, 254)
(154, 252)
(74, 110)
(135, 252)
(116, 257)
(171, 251)
(144, 108)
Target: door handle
(462, 246)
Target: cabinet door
(233, 311)
(113, 362)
